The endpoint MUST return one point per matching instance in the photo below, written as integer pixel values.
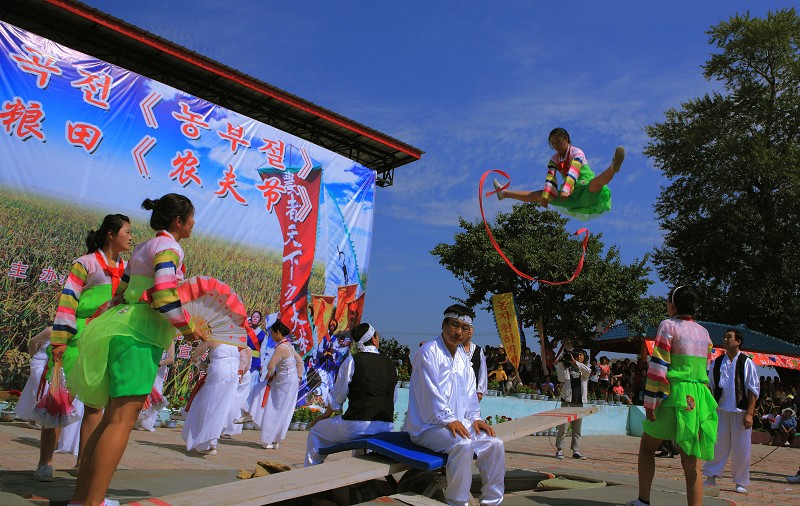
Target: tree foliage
(537, 242)
(731, 210)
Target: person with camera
(573, 374)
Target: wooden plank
(527, 425)
(329, 475)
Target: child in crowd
(619, 393)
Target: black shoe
(665, 455)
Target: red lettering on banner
(84, 135)
(36, 62)
(48, 275)
(274, 151)
(228, 185)
(272, 189)
(96, 87)
(24, 120)
(290, 196)
(192, 121)
(185, 351)
(234, 135)
(185, 166)
(18, 270)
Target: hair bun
(149, 204)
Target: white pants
(491, 463)
(337, 430)
(734, 440)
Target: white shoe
(559, 454)
(226, 436)
(794, 479)
(498, 191)
(43, 473)
(244, 419)
(740, 489)
(110, 502)
(271, 446)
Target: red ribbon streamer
(195, 389)
(580, 231)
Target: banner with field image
(277, 217)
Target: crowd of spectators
(776, 411)
(618, 380)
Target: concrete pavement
(157, 463)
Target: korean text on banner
(505, 316)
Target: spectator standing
(573, 374)
(734, 381)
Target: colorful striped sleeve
(164, 293)
(571, 177)
(64, 325)
(550, 183)
(657, 386)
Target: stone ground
(158, 464)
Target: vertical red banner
(345, 295)
(296, 205)
(322, 306)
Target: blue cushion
(395, 445)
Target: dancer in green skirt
(678, 404)
(583, 194)
(93, 280)
(120, 350)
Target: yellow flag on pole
(505, 316)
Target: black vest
(476, 363)
(738, 380)
(371, 391)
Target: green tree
(731, 210)
(537, 242)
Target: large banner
(277, 217)
(505, 316)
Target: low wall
(608, 421)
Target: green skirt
(91, 299)
(119, 354)
(689, 416)
(583, 204)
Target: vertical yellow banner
(505, 316)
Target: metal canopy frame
(96, 33)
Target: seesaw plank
(333, 474)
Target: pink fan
(55, 408)
(214, 308)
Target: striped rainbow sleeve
(656, 388)
(550, 183)
(571, 177)
(64, 325)
(164, 293)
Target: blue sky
(477, 86)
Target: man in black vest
(734, 381)
(368, 381)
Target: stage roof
(96, 33)
(620, 338)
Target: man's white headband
(460, 317)
(366, 337)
